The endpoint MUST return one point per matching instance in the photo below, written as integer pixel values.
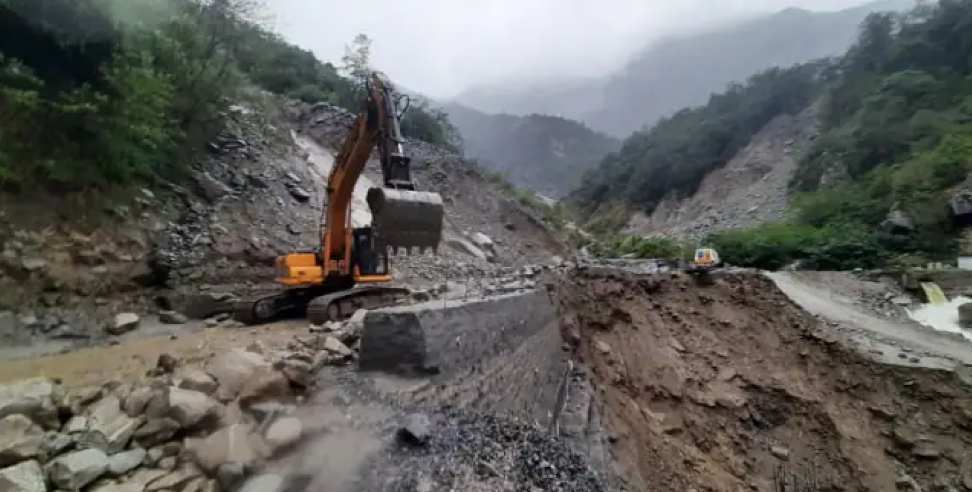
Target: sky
(442, 47)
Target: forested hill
(95, 93)
(546, 154)
(895, 147)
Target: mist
(443, 47)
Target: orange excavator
(349, 270)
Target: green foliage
(674, 156)
(641, 247)
(775, 246)
(431, 125)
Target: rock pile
(185, 428)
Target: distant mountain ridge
(683, 72)
(546, 154)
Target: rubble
(232, 444)
(108, 428)
(283, 433)
(34, 398)
(191, 409)
(75, 470)
(26, 476)
(20, 439)
(126, 461)
(234, 369)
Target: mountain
(682, 72)
(852, 162)
(547, 154)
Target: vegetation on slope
(100, 92)
(676, 154)
(897, 136)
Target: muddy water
(132, 358)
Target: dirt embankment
(730, 386)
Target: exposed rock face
(27, 476)
(20, 439)
(751, 189)
(74, 471)
(898, 222)
(233, 369)
(34, 398)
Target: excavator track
(341, 305)
(275, 306)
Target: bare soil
(727, 385)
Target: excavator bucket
(405, 219)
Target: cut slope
(730, 386)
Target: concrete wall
(501, 354)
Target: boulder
(334, 346)
(298, 372)
(233, 369)
(34, 398)
(229, 475)
(75, 470)
(191, 408)
(138, 400)
(27, 476)
(961, 203)
(265, 385)
(965, 315)
(123, 323)
(267, 482)
(77, 399)
(172, 318)
(283, 433)
(156, 431)
(197, 380)
(20, 439)
(231, 444)
(898, 222)
(109, 428)
(122, 463)
(56, 443)
(416, 430)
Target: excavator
(350, 269)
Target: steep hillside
(681, 72)
(684, 72)
(546, 154)
(752, 188)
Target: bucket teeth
(404, 219)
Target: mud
(728, 385)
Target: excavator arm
(326, 284)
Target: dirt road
(820, 294)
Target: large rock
(334, 346)
(137, 400)
(231, 444)
(172, 318)
(233, 369)
(75, 470)
(123, 323)
(109, 428)
(298, 372)
(898, 222)
(122, 463)
(23, 477)
(198, 380)
(283, 433)
(175, 480)
(961, 204)
(191, 408)
(34, 398)
(965, 315)
(265, 385)
(20, 439)
(156, 431)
